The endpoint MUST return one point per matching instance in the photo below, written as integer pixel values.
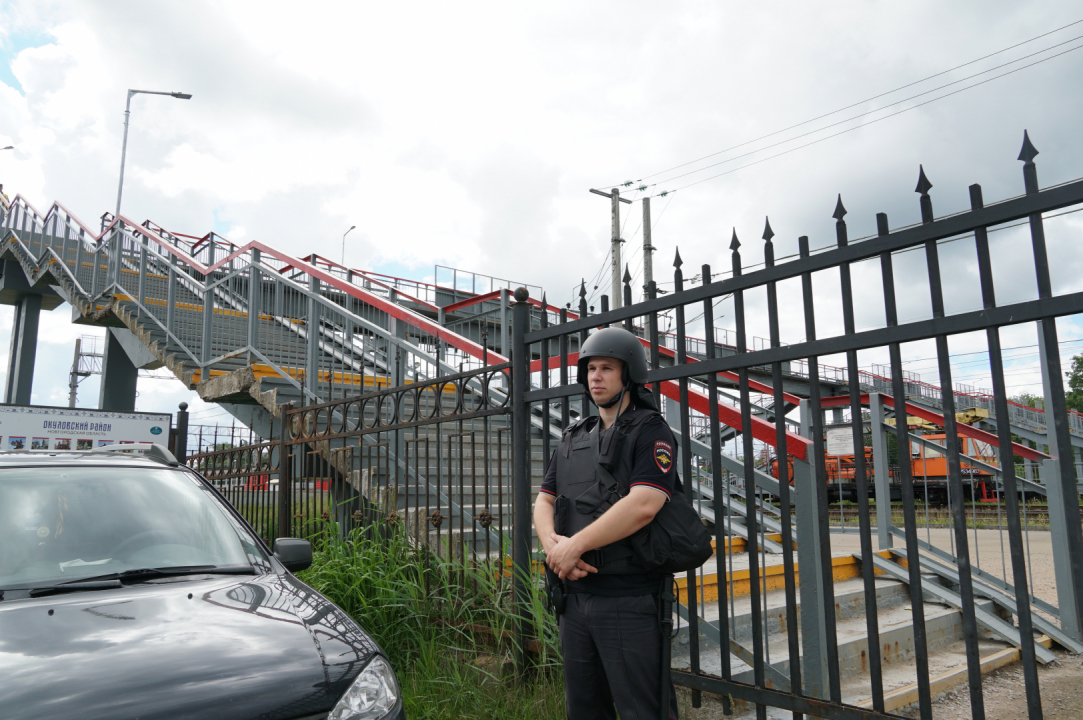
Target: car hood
(204, 646)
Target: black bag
(675, 541)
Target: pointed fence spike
(544, 303)
(583, 289)
(1029, 152)
(840, 210)
(677, 262)
(627, 275)
(768, 233)
(734, 242)
(923, 182)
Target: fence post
(813, 603)
(180, 446)
(520, 384)
(881, 470)
(504, 293)
(285, 470)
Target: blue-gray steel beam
(813, 604)
(881, 473)
(119, 376)
(24, 346)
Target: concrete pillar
(119, 375)
(24, 347)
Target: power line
(860, 102)
(870, 112)
(870, 122)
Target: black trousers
(612, 657)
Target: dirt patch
(1006, 697)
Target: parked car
(129, 588)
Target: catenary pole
(614, 256)
(648, 249)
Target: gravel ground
(1006, 699)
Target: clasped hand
(564, 559)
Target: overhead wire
(880, 109)
(853, 105)
(870, 122)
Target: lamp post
(124, 146)
(343, 260)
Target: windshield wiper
(73, 586)
(112, 581)
(144, 573)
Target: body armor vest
(583, 495)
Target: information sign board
(32, 427)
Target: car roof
(130, 455)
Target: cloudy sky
(468, 135)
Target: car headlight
(372, 696)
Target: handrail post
(171, 295)
(520, 384)
(142, 291)
(312, 347)
(255, 287)
(208, 312)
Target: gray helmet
(617, 343)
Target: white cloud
(469, 135)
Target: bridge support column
(24, 348)
(881, 471)
(119, 376)
(814, 599)
(1062, 493)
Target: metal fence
(808, 678)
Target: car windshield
(59, 524)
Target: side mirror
(294, 553)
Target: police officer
(609, 477)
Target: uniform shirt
(654, 466)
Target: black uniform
(609, 631)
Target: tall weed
(446, 628)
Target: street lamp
(124, 147)
(343, 261)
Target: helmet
(617, 343)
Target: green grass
(434, 619)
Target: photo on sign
(17, 443)
(84, 444)
(39, 444)
(103, 443)
(62, 444)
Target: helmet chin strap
(617, 399)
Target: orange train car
(928, 468)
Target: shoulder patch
(663, 455)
